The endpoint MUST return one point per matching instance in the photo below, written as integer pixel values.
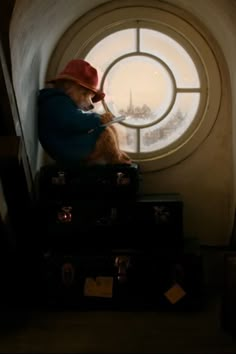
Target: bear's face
(81, 96)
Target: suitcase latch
(122, 263)
(59, 179)
(68, 274)
(122, 179)
(65, 214)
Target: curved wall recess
(205, 177)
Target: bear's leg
(107, 148)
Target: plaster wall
(205, 178)
(218, 16)
(36, 26)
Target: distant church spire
(131, 107)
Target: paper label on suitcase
(99, 287)
(175, 293)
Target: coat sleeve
(65, 115)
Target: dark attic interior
(118, 257)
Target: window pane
(173, 126)
(127, 138)
(173, 54)
(140, 88)
(110, 48)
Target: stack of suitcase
(103, 245)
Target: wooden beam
(14, 183)
(6, 123)
(6, 9)
(9, 101)
(9, 151)
(11, 110)
(7, 126)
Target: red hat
(81, 72)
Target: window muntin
(173, 54)
(104, 52)
(173, 126)
(152, 80)
(140, 88)
(128, 138)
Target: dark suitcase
(121, 279)
(228, 300)
(141, 223)
(158, 216)
(54, 183)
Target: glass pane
(173, 126)
(111, 48)
(127, 138)
(140, 88)
(173, 54)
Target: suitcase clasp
(59, 179)
(122, 263)
(65, 215)
(122, 179)
(68, 274)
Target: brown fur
(107, 149)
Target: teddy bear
(69, 129)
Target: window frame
(80, 38)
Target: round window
(157, 70)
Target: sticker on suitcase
(99, 287)
(175, 293)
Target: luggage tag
(176, 292)
(99, 287)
